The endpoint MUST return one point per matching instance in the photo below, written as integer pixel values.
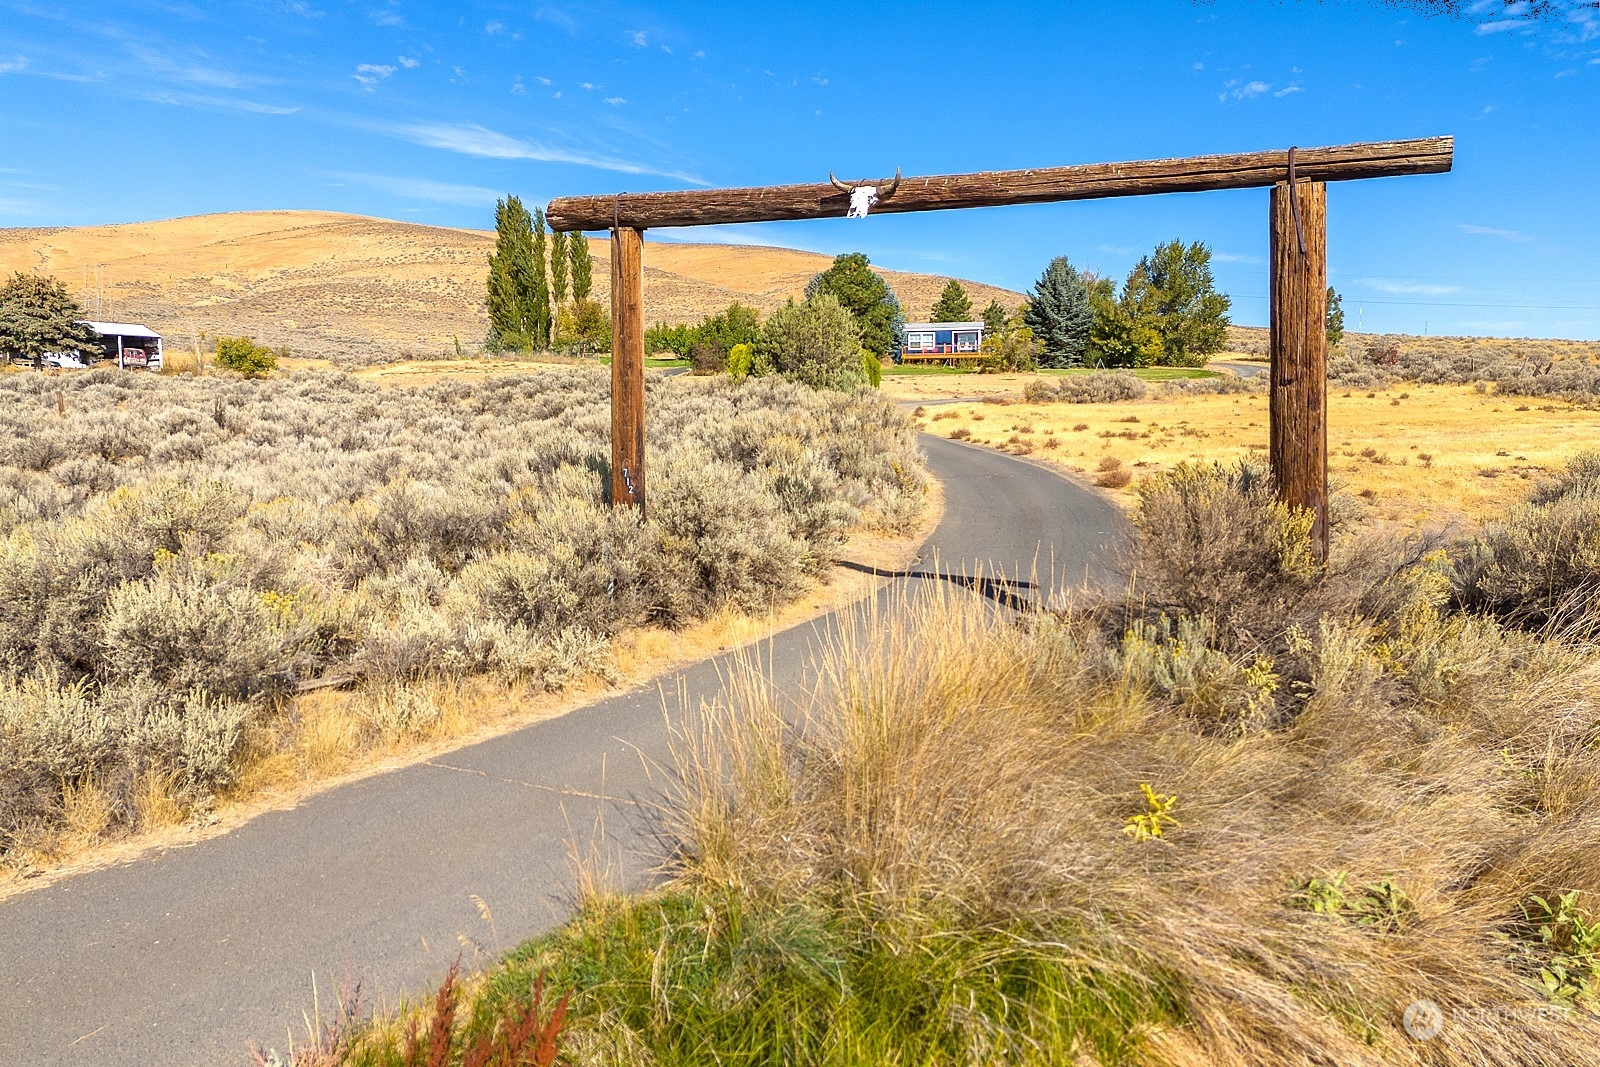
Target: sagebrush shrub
(1540, 565)
(1215, 541)
(1096, 387)
(180, 550)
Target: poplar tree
(539, 291)
(510, 276)
(582, 267)
(558, 269)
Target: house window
(966, 340)
(918, 342)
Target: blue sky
(119, 112)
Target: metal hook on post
(1294, 206)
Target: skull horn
(837, 184)
(887, 193)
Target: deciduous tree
(863, 293)
(539, 319)
(38, 316)
(1191, 315)
(1335, 319)
(582, 267)
(510, 277)
(558, 268)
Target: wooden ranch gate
(1298, 410)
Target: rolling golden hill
(364, 290)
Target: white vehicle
(64, 361)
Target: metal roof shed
(131, 344)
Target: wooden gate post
(1298, 407)
(627, 366)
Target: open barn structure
(1297, 239)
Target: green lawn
(651, 361)
(1149, 374)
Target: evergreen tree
(994, 318)
(510, 276)
(38, 316)
(864, 294)
(1059, 314)
(558, 269)
(954, 305)
(1190, 314)
(582, 267)
(1335, 319)
(539, 321)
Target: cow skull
(863, 197)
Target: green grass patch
(912, 370)
(651, 361)
(1149, 374)
(679, 978)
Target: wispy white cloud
(11, 66)
(1233, 257)
(381, 17)
(423, 189)
(1490, 231)
(301, 8)
(493, 28)
(541, 80)
(223, 103)
(1292, 87)
(1383, 285)
(1498, 26)
(638, 38)
(614, 101)
(517, 88)
(1239, 89)
(409, 62)
(751, 234)
(471, 139)
(557, 17)
(370, 74)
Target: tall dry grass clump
(1261, 819)
(1238, 823)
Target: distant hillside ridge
(360, 290)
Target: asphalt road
(184, 957)
(1242, 369)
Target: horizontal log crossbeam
(998, 188)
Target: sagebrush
(176, 554)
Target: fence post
(1298, 405)
(627, 366)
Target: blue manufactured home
(941, 341)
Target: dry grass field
(363, 290)
(1411, 454)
